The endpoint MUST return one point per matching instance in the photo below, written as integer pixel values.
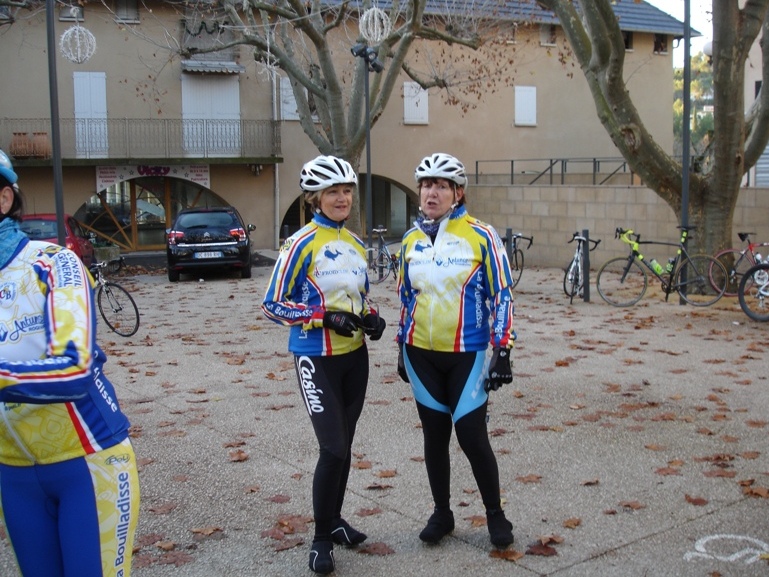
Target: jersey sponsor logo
(306, 369)
(69, 271)
(102, 388)
(26, 325)
(123, 505)
(117, 459)
(499, 321)
(479, 300)
(328, 253)
(8, 294)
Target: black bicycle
(116, 305)
(380, 261)
(516, 256)
(575, 275)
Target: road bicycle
(516, 256)
(753, 292)
(622, 281)
(380, 261)
(575, 275)
(116, 305)
(737, 261)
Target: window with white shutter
(525, 105)
(415, 108)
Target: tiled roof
(633, 16)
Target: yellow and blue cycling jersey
(55, 402)
(320, 268)
(467, 258)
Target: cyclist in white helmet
(456, 301)
(319, 288)
(68, 476)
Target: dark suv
(208, 238)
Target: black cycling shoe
(500, 529)
(322, 557)
(343, 534)
(440, 524)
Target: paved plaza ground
(632, 442)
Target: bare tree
(739, 136)
(305, 39)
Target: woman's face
(436, 195)
(336, 201)
(6, 200)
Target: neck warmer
(10, 237)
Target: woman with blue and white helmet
(69, 488)
(456, 297)
(319, 289)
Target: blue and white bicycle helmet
(324, 171)
(441, 165)
(6, 169)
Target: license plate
(210, 254)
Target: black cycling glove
(342, 323)
(373, 325)
(402, 366)
(500, 369)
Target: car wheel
(245, 272)
(173, 275)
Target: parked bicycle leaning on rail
(516, 256)
(575, 275)
(753, 292)
(699, 279)
(116, 305)
(738, 260)
(380, 261)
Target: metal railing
(553, 170)
(142, 138)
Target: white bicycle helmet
(6, 168)
(325, 171)
(441, 165)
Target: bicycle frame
(665, 278)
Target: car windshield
(205, 219)
(39, 229)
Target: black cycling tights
(473, 440)
(333, 388)
(451, 383)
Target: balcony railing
(142, 138)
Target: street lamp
(373, 64)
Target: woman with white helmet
(319, 289)
(456, 300)
(69, 486)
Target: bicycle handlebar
(518, 235)
(579, 237)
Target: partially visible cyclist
(69, 487)
(319, 288)
(456, 297)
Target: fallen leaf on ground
(376, 549)
(506, 554)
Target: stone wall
(553, 213)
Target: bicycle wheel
(377, 265)
(118, 309)
(620, 282)
(753, 292)
(736, 264)
(700, 280)
(572, 280)
(516, 266)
